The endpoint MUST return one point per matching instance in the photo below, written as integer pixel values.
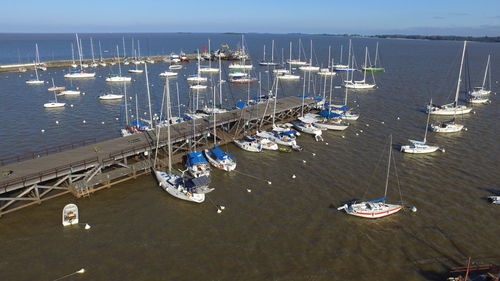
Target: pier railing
(46, 151)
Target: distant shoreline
(487, 39)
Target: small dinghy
(220, 159)
(494, 199)
(197, 164)
(249, 144)
(70, 215)
(175, 67)
(110, 97)
(168, 74)
(420, 146)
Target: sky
(366, 17)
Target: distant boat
(374, 67)
(77, 73)
(420, 147)
(377, 208)
(360, 84)
(70, 215)
(310, 67)
(297, 61)
(175, 67)
(268, 63)
(110, 97)
(452, 108)
(168, 74)
(479, 95)
(249, 144)
(35, 81)
(118, 77)
(220, 159)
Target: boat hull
(167, 183)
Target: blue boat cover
(196, 157)
(219, 154)
(289, 133)
(241, 104)
(141, 124)
(377, 200)
(318, 98)
(344, 107)
(327, 114)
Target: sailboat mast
(92, 49)
(300, 43)
(341, 51)
(275, 100)
(72, 53)
(311, 56)
(220, 82)
(427, 123)
(149, 94)
(136, 111)
(331, 90)
(460, 74)
(388, 168)
(79, 50)
(376, 56)
(329, 55)
(349, 60)
(366, 58)
(126, 101)
(264, 58)
(178, 99)
(119, 65)
(289, 64)
(167, 85)
(210, 55)
(100, 50)
(486, 72)
(37, 55)
(272, 51)
(36, 70)
(123, 44)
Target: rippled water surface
(289, 230)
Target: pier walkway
(80, 169)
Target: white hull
(69, 93)
(446, 128)
(168, 183)
(280, 71)
(359, 85)
(240, 66)
(251, 146)
(110, 97)
(168, 74)
(198, 87)
(296, 62)
(197, 79)
(226, 165)
(54, 104)
(289, 77)
(35, 82)
(281, 140)
(119, 79)
(79, 75)
(209, 70)
(70, 215)
(449, 110)
(308, 128)
(309, 68)
(418, 149)
(371, 210)
(478, 100)
(175, 67)
(136, 71)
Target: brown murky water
(289, 230)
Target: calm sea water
(289, 230)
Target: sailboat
(209, 69)
(452, 108)
(93, 64)
(377, 208)
(479, 94)
(420, 146)
(269, 63)
(101, 60)
(305, 125)
(54, 104)
(118, 77)
(375, 67)
(189, 189)
(297, 61)
(136, 70)
(197, 164)
(197, 77)
(37, 80)
(242, 57)
(249, 143)
(288, 75)
(345, 67)
(79, 73)
(328, 71)
(360, 84)
(68, 91)
(310, 67)
(55, 88)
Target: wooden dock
(90, 167)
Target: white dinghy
(70, 215)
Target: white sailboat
(79, 73)
(136, 70)
(282, 75)
(310, 66)
(377, 208)
(209, 68)
(101, 60)
(36, 81)
(249, 144)
(264, 62)
(54, 104)
(93, 64)
(360, 84)
(328, 71)
(197, 78)
(420, 147)
(118, 77)
(297, 61)
(479, 95)
(178, 186)
(452, 108)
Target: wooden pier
(84, 169)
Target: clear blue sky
(454, 17)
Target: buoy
(398, 118)
(116, 118)
(222, 207)
(293, 176)
(249, 190)
(357, 134)
(83, 94)
(57, 122)
(343, 137)
(71, 105)
(102, 122)
(304, 161)
(367, 125)
(314, 154)
(361, 131)
(87, 226)
(219, 211)
(268, 182)
(326, 143)
(382, 122)
(414, 209)
(442, 150)
(473, 112)
(43, 131)
(84, 121)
